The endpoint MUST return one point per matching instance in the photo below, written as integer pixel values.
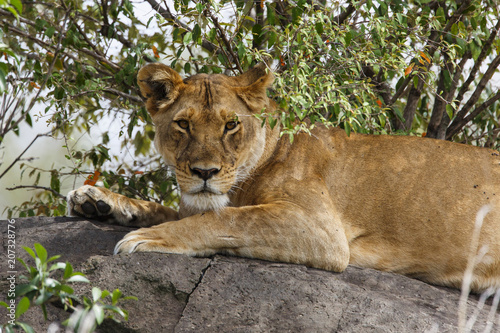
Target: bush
(382, 67)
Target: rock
(177, 293)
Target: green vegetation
(416, 67)
(50, 284)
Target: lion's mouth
(205, 200)
(206, 191)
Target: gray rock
(227, 294)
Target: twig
(344, 14)
(432, 46)
(33, 101)
(18, 158)
(122, 94)
(223, 36)
(47, 46)
(457, 125)
(166, 14)
(36, 187)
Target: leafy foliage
(44, 286)
(384, 67)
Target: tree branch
(47, 46)
(222, 35)
(411, 106)
(440, 102)
(456, 126)
(445, 119)
(339, 19)
(36, 187)
(461, 115)
(166, 14)
(18, 158)
(33, 100)
(432, 46)
(477, 65)
(122, 94)
(401, 89)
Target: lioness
(394, 203)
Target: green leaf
(56, 266)
(241, 51)
(347, 128)
(118, 310)
(115, 296)
(296, 13)
(447, 80)
(17, 5)
(27, 328)
(271, 39)
(43, 297)
(440, 15)
(30, 252)
(39, 24)
(398, 113)
(188, 37)
(67, 289)
(449, 111)
(319, 27)
(41, 252)
(23, 263)
(271, 17)
(222, 58)
(50, 32)
(99, 313)
(473, 23)
(415, 81)
(68, 271)
(196, 33)
(200, 7)
(383, 9)
(28, 120)
(78, 278)
(51, 283)
(23, 289)
(348, 38)
(382, 120)
(22, 306)
(105, 293)
(96, 294)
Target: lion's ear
(160, 85)
(253, 85)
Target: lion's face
(205, 129)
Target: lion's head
(205, 129)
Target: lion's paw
(88, 201)
(99, 203)
(142, 240)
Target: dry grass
(476, 254)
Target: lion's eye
(184, 124)
(231, 125)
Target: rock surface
(227, 294)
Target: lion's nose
(205, 174)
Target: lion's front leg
(103, 204)
(269, 232)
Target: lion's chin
(205, 201)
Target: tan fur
(400, 204)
